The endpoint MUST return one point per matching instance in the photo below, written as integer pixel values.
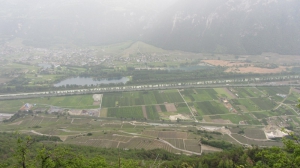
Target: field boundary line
(187, 106)
(183, 150)
(41, 121)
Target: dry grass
(145, 112)
(258, 70)
(224, 63)
(103, 112)
(239, 67)
(170, 107)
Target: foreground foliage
(38, 151)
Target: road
(129, 88)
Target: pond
(81, 81)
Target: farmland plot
(102, 143)
(148, 144)
(151, 133)
(176, 142)
(152, 113)
(182, 108)
(224, 92)
(167, 96)
(210, 108)
(11, 106)
(192, 145)
(264, 103)
(140, 98)
(199, 95)
(273, 91)
(255, 133)
(247, 92)
(251, 106)
(172, 134)
(35, 121)
(292, 98)
(244, 140)
(76, 102)
(236, 118)
(126, 112)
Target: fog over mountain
(214, 26)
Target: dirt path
(281, 103)
(145, 112)
(183, 150)
(188, 106)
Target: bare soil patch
(239, 67)
(170, 107)
(145, 112)
(75, 112)
(206, 118)
(96, 103)
(158, 109)
(178, 116)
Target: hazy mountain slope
(43, 23)
(217, 26)
(230, 26)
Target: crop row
(126, 112)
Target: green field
(292, 98)
(255, 133)
(11, 106)
(273, 91)
(251, 106)
(198, 95)
(126, 112)
(210, 108)
(247, 92)
(236, 118)
(152, 113)
(223, 93)
(264, 103)
(140, 98)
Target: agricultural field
(247, 103)
(255, 133)
(292, 98)
(236, 118)
(135, 112)
(224, 93)
(210, 108)
(273, 91)
(140, 98)
(11, 106)
(247, 92)
(198, 95)
(244, 140)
